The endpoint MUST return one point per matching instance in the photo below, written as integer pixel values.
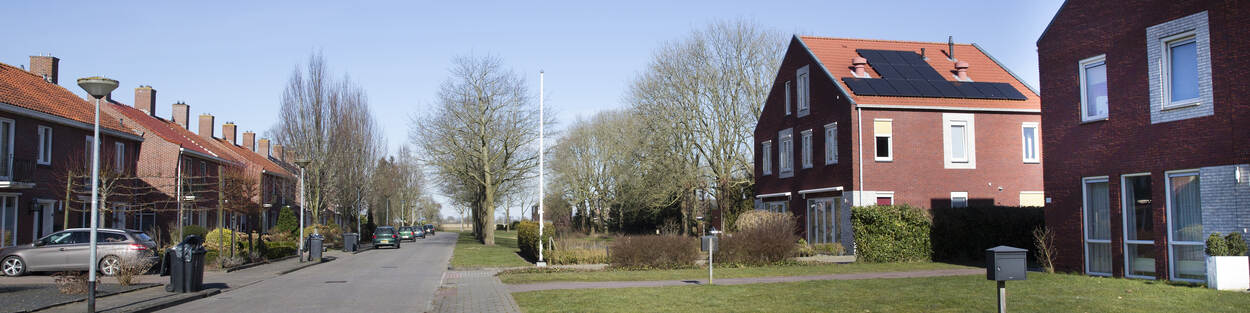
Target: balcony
(16, 173)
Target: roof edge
(886, 40)
(7, 107)
(1008, 69)
(1051, 23)
(824, 69)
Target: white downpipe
(859, 125)
(541, 148)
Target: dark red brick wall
(1127, 143)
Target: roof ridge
(880, 40)
(23, 70)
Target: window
(831, 143)
(45, 145)
(89, 145)
(1181, 70)
(119, 158)
(1029, 142)
(822, 220)
(804, 91)
(1032, 198)
(767, 152)
(787, 97)
(1139, 251)
(959, 141)
(8, 220)
(6, 148)
(777, 206)
(959, 199)
(885, 198)
(1094, 88)
(807, 148)
(785, 153)
(1185, 227)
(883, 131)
(1097, 227)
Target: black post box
(1005, 263)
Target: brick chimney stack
(46, 67)
(181, 112)
(263, 149)
(228, 132)
(145, 99)
(206, 125)
(961, 70)
(277, 152)
(249, 141)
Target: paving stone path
(739, 281)
(474, 291)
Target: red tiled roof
(253, 158)
(836, 54)
(26, 90)
(166, 129)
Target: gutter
(5, 107)
(203, 156)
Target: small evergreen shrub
(654, 252)
(527, 238)
(278, 249)
(1230, 245)
(891, 234)
(287, 224)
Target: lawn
(472, 254)
(1040, 293)
(536, 276)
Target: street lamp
(302, 164)
(98, 88)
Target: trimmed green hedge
(527, 238)
(963, 234)
(891, 234)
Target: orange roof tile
(253, 159)
(166, 129)
(26, 90)
(835, 55)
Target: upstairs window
(959, 141)
(1182, 70)
(1029, 142)
(831, 143)
(787, 97)
(883, 131)
(89, 146)
(804, 93)
(119, 157)
(1094, 88)
(45, 145)
(807, 148)
(785, 153)
(767, 152)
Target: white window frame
(959, 195)
(968, 121)
(787, 97)
(90, 144)
(1172, 243)
(831, 143)
(1125, 205)
(766, 148)
(782, 205)
(785, 153)
(951, 137)
(883, 194)
(1082, 65)
(45, 145)
(119, 157)
(889, 149)
(1166, 43)
(1085, 228)
(807, 148)
(9, 158)
(1024, 143)
(803, 80)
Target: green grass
(1040, 293)
(472, 254)
(536, 276)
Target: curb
(288, 271)
(247, 266)
(184, 298)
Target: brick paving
(740, 281)
(474, 291)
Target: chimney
(922, 56)
(859, 63)
(206, 125)
(181, 112)
(145, 99)
(228, 132)
(45, 66)
(961, 70)
(263, 148)
(950, 48)
(249, 140)
(277, 152)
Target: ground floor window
(145, 221)
(8, 220)
(885, 198)
(1097, 212)
(1185, 227)
(822, 220)
(777, 206)
(1139, 250)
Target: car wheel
(13, 266)
(110, 266)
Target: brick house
(853, 122)
(45, 134)
(1146, 112)
(276, 183)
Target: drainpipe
(859, 125)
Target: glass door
(1139, 245)
(1185, 228)
(1097, 211)
(8, 220)
(822, 220)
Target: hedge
(527, 238)
(891, 234)
(963, 234)
(654, 252)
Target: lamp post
(302, 164)
(541, 191)
(98, 88)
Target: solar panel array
(906, 74)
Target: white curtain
(1098, 227)
(1186, 209)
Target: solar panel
(903, 87)
(988, 90)
(968, 90)
(929, 74)
(871, 55)
(894, 57)
(882, 88)
(885, 70)
(924, 89)
(907, 72)
(859, 86)
(947, 89)
(1008, 91)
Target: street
(380, 280)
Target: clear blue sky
(232, 58)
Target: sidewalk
(739, 281)
(474, 291)
(215, 282)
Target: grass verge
(1040, 293)
(551, 275)
(470, 253)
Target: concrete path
(740, 281)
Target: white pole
(541, 147)
(95, 206)
(301, 214)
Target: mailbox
(1005, 263)
(708, 243)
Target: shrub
(500, 227)
(830, 248)
(1231, 245)
(654, 252)
(802, 248)
(71, 282)
(514, 225)
(1044, 248)
(332, 233)
(287, 223)
(765, 238)
(527, 238)
(279, 249)
(891, 234)
(1236, 245)
(576, 256)
(963, 234)
(188, 230)
(131, 267)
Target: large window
(767, 152)
(1029, 142)
(1097, 227)
(831, 143)
(883, 132)
(1139, 251)
(959, 144)
(1185, 227)
(822, 220)
(1181, 70)
(804, 91)
(807, 148)
(8, 220)
(45, 145)
(959, 141)
(1094, 88)
(6, 149)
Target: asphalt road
(379, 280)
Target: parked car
(407, 233)
(429, 229)
(68, 250)
(386, 236)
(418, 232)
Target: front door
(42, 223)
(822, 220)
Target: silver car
(68, 250)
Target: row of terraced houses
(1136, 146)
(162, 171)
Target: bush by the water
(762, 238)
(654, 252)
(891, 234)
(963, 234)
(527, 238)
